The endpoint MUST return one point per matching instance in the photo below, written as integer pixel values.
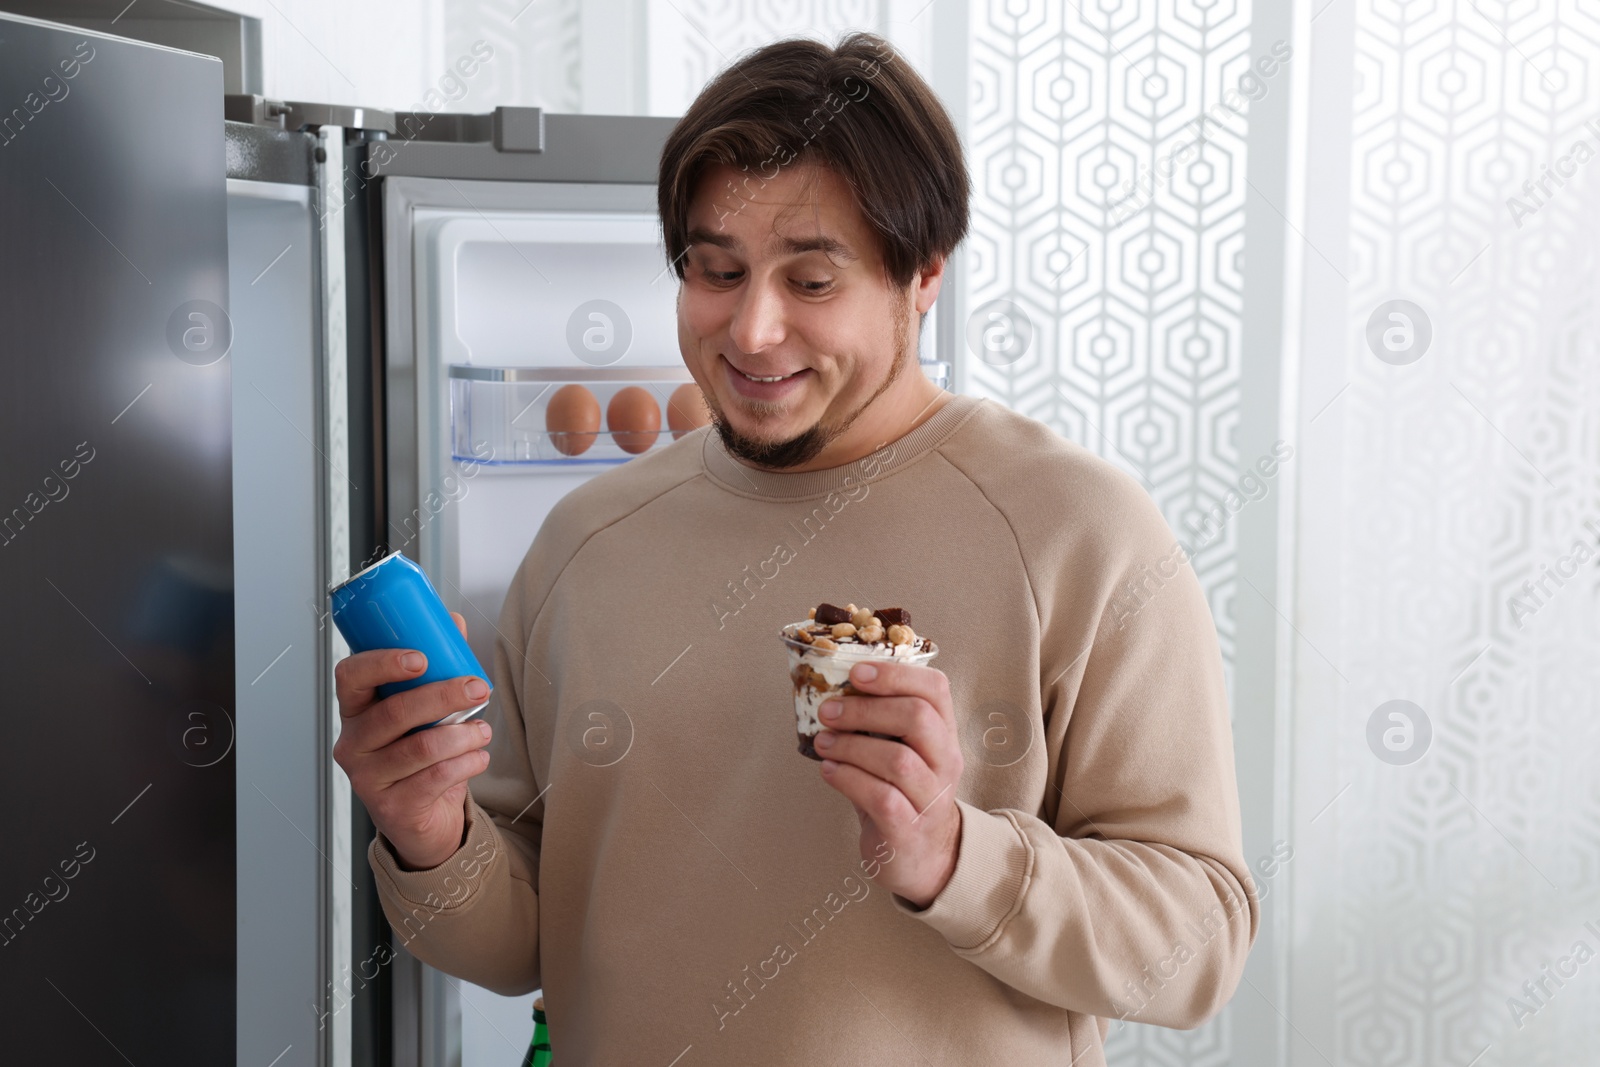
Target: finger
(887, 807)
(913, 719)
(432, 782)
(461, 622)
(886, 678)
(890, 761)
(394, 717)
(419, 751)
(356, 677)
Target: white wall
(597, 56)
(379, 53)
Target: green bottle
(539, 1048)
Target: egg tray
(498, 415)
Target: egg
(634, 419)
(573, 419)
(686, 410)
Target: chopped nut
(811, 613)
(862, 618)
(871, 634)
(851, 608)
(804, 636)
(843, 629)
(901, 635)
(824, 643)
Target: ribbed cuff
(451, 884)
(993, 866)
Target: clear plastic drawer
(500, 416)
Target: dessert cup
(818, 673)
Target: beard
(806, 446)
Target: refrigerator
(290, 338)
(118, 772)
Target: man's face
(785, 318)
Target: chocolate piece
(805, 677)
(808, 742)
(893, 617)
(828, 614)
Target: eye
(721, 277)
(814, 287)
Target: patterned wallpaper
(1109, 152)
(536, 59)
(1467, 850)
(690, 40)
(1107, 145)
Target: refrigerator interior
(503, 288)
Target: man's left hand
(903, 790)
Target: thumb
(461, 622)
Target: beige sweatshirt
(649, 847)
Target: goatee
(776, 455)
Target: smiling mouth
(770, 378)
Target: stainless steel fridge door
(116, 563)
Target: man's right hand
(415, 786)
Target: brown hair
(858, 109)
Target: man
(1046, 839)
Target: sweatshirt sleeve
(1126, 895)
(476, 915)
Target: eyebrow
(793, 246)
(835, 249)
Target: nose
(758, 321)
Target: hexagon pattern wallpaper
(1448, 541)
(689, 42)
(1107, 147)
(536, 52)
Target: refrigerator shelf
(499, 415)
(472, 372)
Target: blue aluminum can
(391, 604)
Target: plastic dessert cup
(818, 674)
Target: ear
(925, 286)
